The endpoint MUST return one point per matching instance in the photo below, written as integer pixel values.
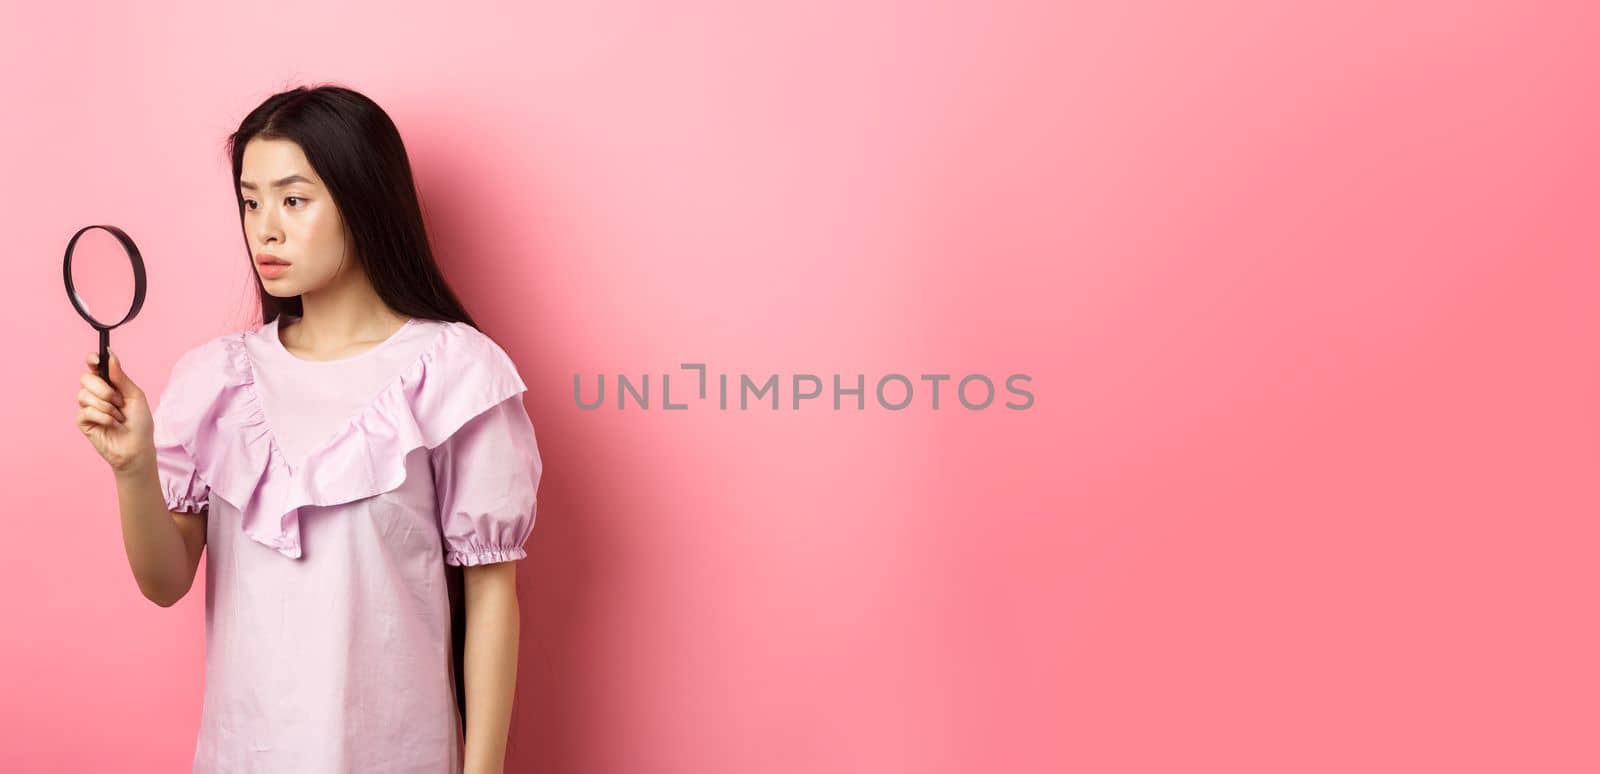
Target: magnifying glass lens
(102, 276)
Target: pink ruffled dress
(337, 492)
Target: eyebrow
(275, 184)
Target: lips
(268, 259)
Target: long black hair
(356, 150)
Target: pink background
(1307, 292)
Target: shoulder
(198, 379)
(465, 338)
(463, 351)
(209, 350)
(461, 374)
(212, 357)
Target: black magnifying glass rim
(138, 277)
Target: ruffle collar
(458, 375)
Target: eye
(294, 198)
(249, 204)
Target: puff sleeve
(174, 431)
(486, 478)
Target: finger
(97, 386)
(91, 401)
(119, 378)
(96, 416)
(92, 360)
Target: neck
(335, 317)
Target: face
(290, 214)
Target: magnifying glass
(100, 278)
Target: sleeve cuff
(475, 556)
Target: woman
(360, 465)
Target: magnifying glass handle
(105, 355)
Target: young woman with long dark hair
(359, 468)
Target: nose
(268, 231)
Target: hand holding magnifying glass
(112, 410)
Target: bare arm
(163, 546)
(490, 662)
